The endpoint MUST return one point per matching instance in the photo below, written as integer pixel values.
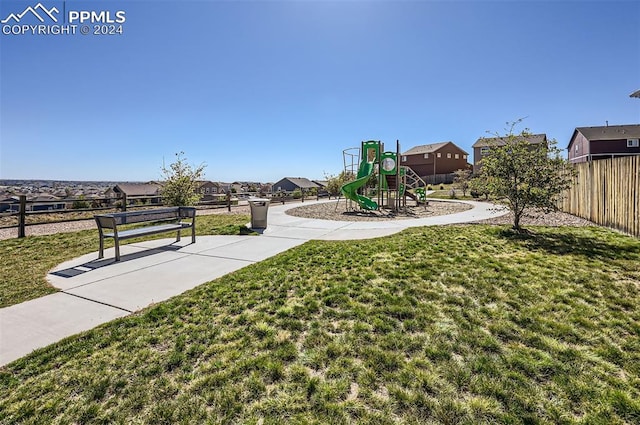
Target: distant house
(241, 187)
(109, 193)
(224, 187)
(265, 187)
(289, 184)
(10, 203)
(46, 202)
(435, 162)
(483, 145)
(209, 190)
(151, 191)
(321, 183)
(593, 143)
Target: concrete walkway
(97, 291)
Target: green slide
(350, 189)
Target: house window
(404, 158)
(457, 156)
(449, 155)
(426, 156)
(464, 156)
(575, 149)
(633, 143)
(484, 151)
(438, 155)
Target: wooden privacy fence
(607, 192)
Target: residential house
(209, 190)
(10, 203)
(224, 187)
(593, 143)
(483, 145)
(436, 162)
(45, 202)
(143, 191)
(241, 187)
(289, 184)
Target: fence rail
(607, 192)
(23, 208)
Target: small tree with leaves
(334, 183)
(526, 175)
(478, 187)
(461, 180)
(180, 182)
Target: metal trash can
(259, 208)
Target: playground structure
(379, 176)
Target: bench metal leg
(193, 232)
(101, 252)
(117, 241)
(178, 236)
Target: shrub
(334, 183)
(80, 203)
(180, 182)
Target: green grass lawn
(25, 262)
(442, 325)
(446, 194)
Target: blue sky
(259, 90)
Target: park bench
(159, 221)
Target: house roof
(44, 197)
(138, 189)
(301, 182)
(635, 94)
(426, 148)
(501, 141)
(609, 132)
(201, 183)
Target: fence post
(229, 201)
(124, 202)
(22, 216)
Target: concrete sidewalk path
(97, 291)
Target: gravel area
(540, 218)
(328, 211)
(337, 211)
